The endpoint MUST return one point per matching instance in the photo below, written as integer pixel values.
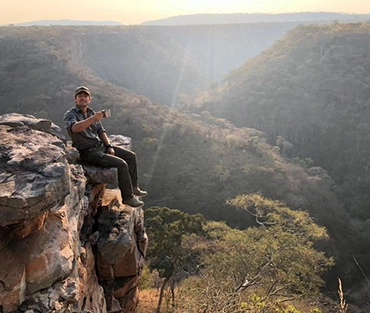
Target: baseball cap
(82, 89)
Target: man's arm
(104, 138)
(82, 125)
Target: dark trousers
(125, 162)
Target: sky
(131, 12)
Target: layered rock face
(67, 243)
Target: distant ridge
(237, 18)
(66, 23)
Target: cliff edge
(67, 243)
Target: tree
(261, 268)
(167, 229)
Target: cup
(106, 113)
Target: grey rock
(47, 126)
(33, 171)
(98, 175)
(114, 239)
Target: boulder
(46, 126)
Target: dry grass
(148, 301)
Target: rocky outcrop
(67, 243)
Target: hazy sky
(138, 11)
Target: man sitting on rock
(89, 137)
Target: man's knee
(122, 164)
(124, 153)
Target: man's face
(82, 100)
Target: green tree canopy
(262, 266)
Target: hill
(185, 59)
(312, 88)
(219, 43)
(158, 62)
(41, 66)
(236, 18)
(140, 59)
(192, 162)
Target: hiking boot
(133, 202)
(138, 192)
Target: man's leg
(98, 157)
(130, 158)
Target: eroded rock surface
(66, 242)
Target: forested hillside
(139, 59)
(162, 63)
(192, 162)
(312, 88)
(40, 68)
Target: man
(89, 137)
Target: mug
(106, 113)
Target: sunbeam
(166, 129)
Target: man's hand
(110, 151)
(98, 116)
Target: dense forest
(312, 89)
(288, 125)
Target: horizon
(163, 18)
(128, 13)
(168, 17)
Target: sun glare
(138, 11)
